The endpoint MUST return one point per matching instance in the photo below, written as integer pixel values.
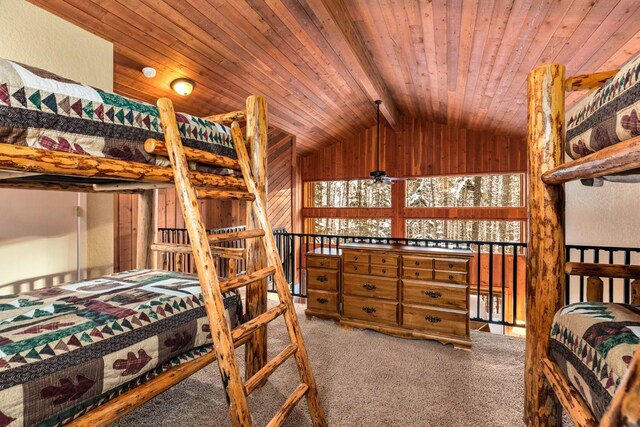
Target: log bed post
(146, 230)
(545, 257)
(256, 115)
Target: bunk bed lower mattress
(593, 344)
(41, 110)
(607, 116)
(67, 349)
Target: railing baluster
(490, 282)
(514, 285)
(479, 296)
(503, 297)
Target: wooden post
(256, 348)
(146, 230)
(635, 292)
(595, 290)
(545, 258)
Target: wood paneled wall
(280, 181)
(421, 149)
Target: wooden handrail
(158, 147)
(588, 81)
(616, 271)
(228, 118)
(621, 157)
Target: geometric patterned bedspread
(593, 343)
(41, 110)
(609, 115)
(69, 348)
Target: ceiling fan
(379, 176)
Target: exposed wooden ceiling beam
(339, 29)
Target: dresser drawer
(449, 276)
(384, 259)
(443, 321)
(325, 280)
(437, 294)
(371, 310)
(417, 262)
(323, 301)
(451, 265)
(416, 273)
(352, 267)
(384, 270)
(369, 286)
(358, 257)
(323, 262)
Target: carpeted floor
(366, 379)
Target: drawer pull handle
(322, 300)
(355, 258)
(322, 278)
(368, 310)
(417, 262)
(384, 260)
(369, 286)
(384, 270)
(322, 264)
(355, 268)
(433, 294)
(450, 265)
(450, 277)
(433, 319)
(417, 273)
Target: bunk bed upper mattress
(593, 343)
(42, 110)
(69, 348)
(607, 116)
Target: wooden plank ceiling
(321, 63)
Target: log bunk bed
(89, 352)
(580, 356)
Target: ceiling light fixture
(183, 86)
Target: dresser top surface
(457, 252)
(325, 251)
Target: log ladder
(224, 339)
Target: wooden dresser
(407, 291)
(323, 283)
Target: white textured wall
(36, 239)
(603, 216)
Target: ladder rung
(268, 369)
(210, 193)
(246, 279)
(279, 418)
(179, 248)
(235, 235)
(257, 322)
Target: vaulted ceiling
(321, 63)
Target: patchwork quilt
(608, 115)
(42, 110)
(69, 348)
(593, 343)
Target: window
(474, 230)
(465, 191)
(353, 227)
(360, 193)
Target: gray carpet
(366, 379)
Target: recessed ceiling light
(149, 72)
